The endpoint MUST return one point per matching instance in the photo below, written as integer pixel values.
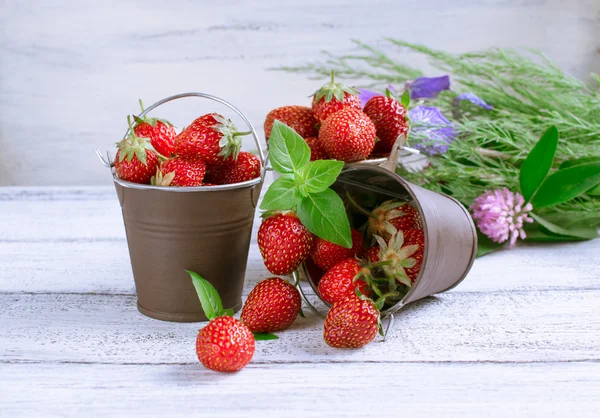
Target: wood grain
(302, 390)
(66, 88)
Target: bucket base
(179, 317)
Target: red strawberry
(347, 135)
(246, 167)
(225, 345)
(161, 133)
(180, 171)
(299, 118)
(392, 216)
(136, 160)
(372, 254)
(389, 117)
(271, 306)
(210, 137)
(415, 236)
(316, 151)
(341, 281)
(326, 254)
(400, 255)
(284, 242)
(333, 97)
(351, 323)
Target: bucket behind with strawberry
(203, 228)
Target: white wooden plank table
(519, 337)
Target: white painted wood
(458, 327)
(71, 70)
(301, 390)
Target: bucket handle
(392, 161)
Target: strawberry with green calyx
(210, 137)
(304, 187)
(160, 132)
(284, 242)
(225, 344)
(300, 118)
(389, 117)
(351, 323)
(394, 257)
(343, 279)
(326, 254)
(348, 135)
(415, 236)
(182, 172)
(333, 97)
(245, 167)
(136, 160)
(273, 305)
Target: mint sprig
(304, 187)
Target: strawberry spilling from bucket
(351, 323)
(225, 344)
(273, 305)
(326, 254)
(343, 279)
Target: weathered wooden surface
(519, 337)
(71, 70)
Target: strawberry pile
(336, 126)
(205, 153)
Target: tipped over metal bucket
(174, 229)
(450, 236)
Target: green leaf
(536, 233)
(579, 161)
(318, 175)
(405, 99)
(283, 194)
(287, 150)
(264, 336)
(486, 245)
(566, 184)
(577, 231)
(537, 165)
(594, 191)
(208, 295)
(324, 215)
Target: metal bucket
(450, 235)
(206, 229)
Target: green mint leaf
(537, 165)
(264, 336)
(566, 184)
(576, 231)
(208, 295)
(287, 150)
(228, 312)
(486, 245)
(324, 215)
(318, 175)
(405, 99)
(282, 194)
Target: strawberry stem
(357, 206)
(141, 105)
(387, 295)
(242, 133)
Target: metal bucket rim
(186, 189)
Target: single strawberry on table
(136, 160)
(300, 118)
(182, 172)
(284, 242)
(326, 254)
(389, 117)
(228, 171)
(343, 279)
(351, 323)
(273, 305)
(160, 132)
(225, 344)
(333, 97)
(347, 135)
(210, 137)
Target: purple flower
(500, 215)
(473, 98)
(366, 94)
(431, 130)
(428, 87)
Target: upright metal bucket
(174, 229)
(450, 236)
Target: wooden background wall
(71, 70)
